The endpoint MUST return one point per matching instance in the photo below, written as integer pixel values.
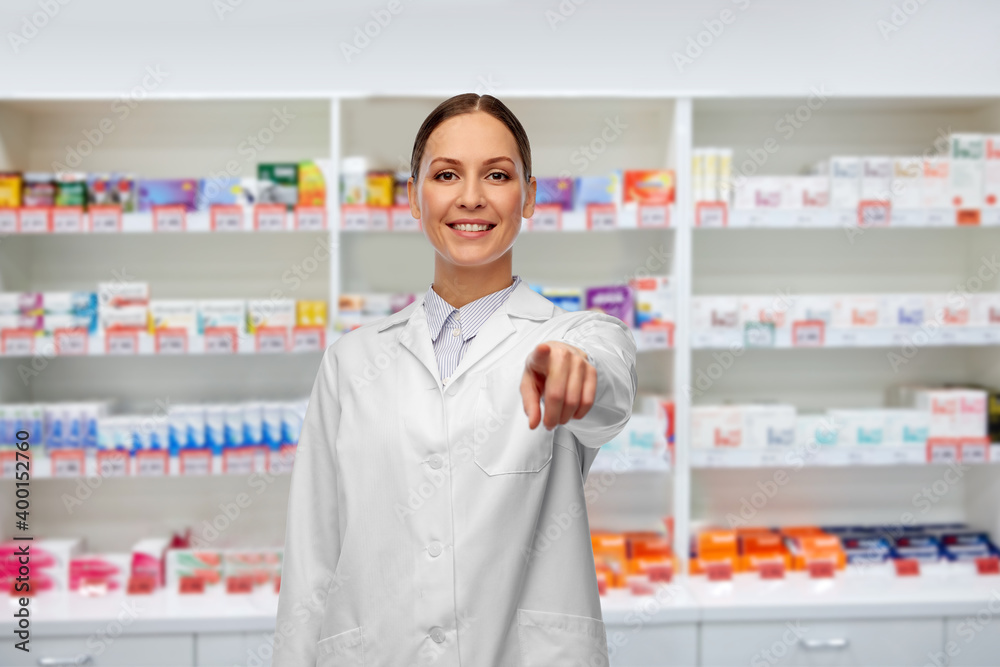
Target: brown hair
(467, 103)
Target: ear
(528, 209)
(411, 194)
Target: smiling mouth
(471, 227)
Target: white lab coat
(427, 524)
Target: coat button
(434, 549)
(435, 461)
(437, 634)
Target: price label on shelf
(239, 461)
(401, 220)
(269, 217)
(771, 569)
(602, 216)
(658, 337)
(196, 462)
(354, 217)
(9, 461)
(171, 341)
(310, 218)
(8, 220)
(808, 333)
(874, 213)
(67, 219)
(169, 219)
(907, 567)
(719, 570)
(112, 463)
(280, 461)
(220, 340)
(967, 217)
(820, 568)
(857, 457)
(378, 219)
(71, 341)
(974, 451)
(227, 218)
(942, 450)
(947, 337)
(988, 566)
(308, 339)
(18, 342)
(121, 342)
(272, 339)
(36, 220)
(758, 334)
(105, 219)
(547, 218)
(141, 584)
(190, 585)
(939, 217)
(770, 459)
(653, 216)
(711, 214)
(151, 462)
(67, 462)
(238, 584)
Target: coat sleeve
(611, 345)
(312, 530)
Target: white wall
(771, 47)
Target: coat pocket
(502, 441)
(346, 649)
(549, 639)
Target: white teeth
(472, 228)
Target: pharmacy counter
(868, 616)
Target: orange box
(717, 542)
(608, 545)
(649, 186)
(640, 544)
(801, 562)
(698, 564)
(751, 562)
(761, 543)
(804, 548)
(801, 530)
(659, 568)
(610, 556)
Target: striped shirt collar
(473, 314)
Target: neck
(459, 285)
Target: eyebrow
(492, 160)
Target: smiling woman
(419, 491)
(470, 186)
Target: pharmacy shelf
(819, 456)
(823, 218)
(869, 591)
(946, 589)
(126, 343)
(58, 221)
(76, 463)
(954, 336)
(293, 341)
(546, 219)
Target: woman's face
(471, 173)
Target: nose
(472, 196)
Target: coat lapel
(415, 335)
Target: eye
(504, 176)
(446, 173)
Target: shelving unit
(758, 253)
